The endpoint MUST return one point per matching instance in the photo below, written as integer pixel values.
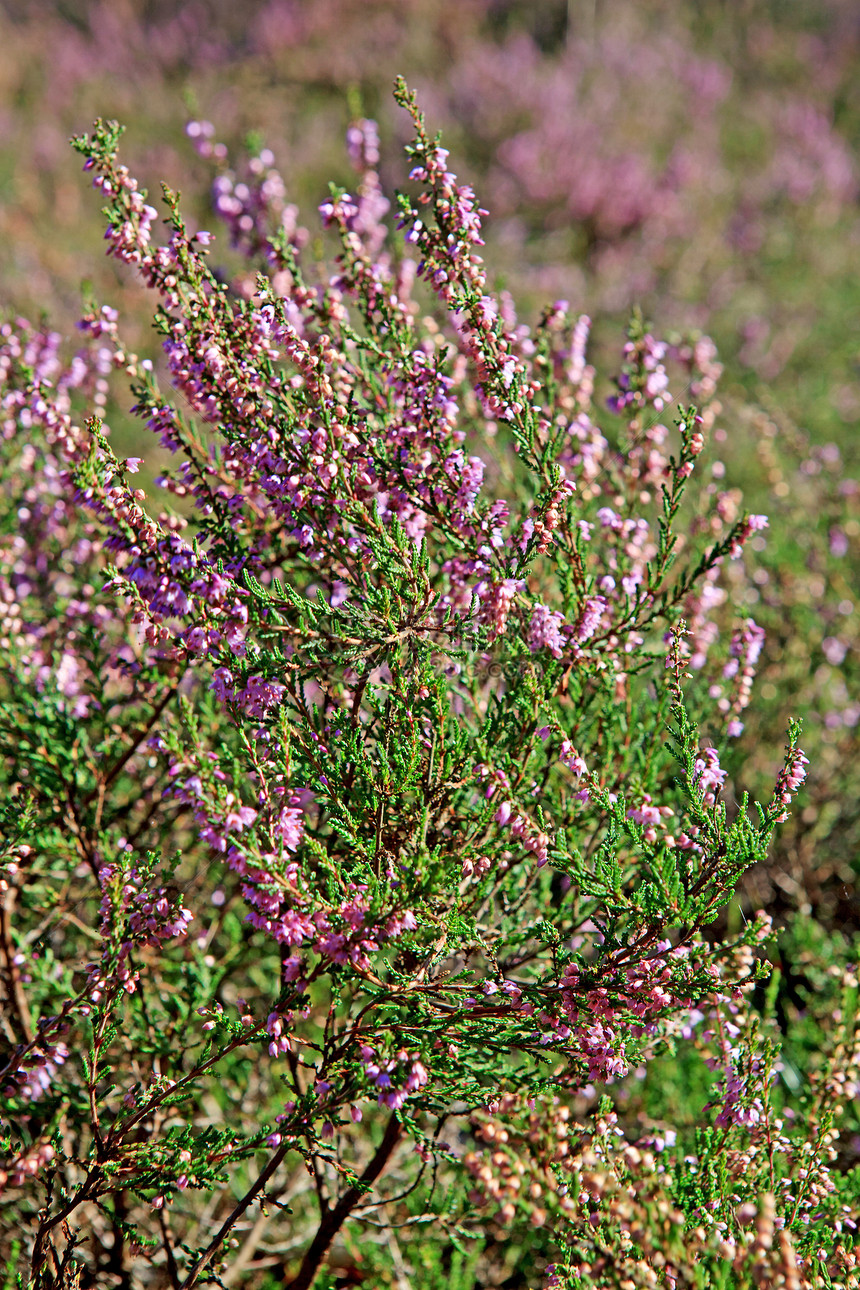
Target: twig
(235, 1215)
(16, 989)
(334, 1220)
(172, 1269)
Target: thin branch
(334, 1220)
(17, 997)
(172, 1269)
(234, 1216)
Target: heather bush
(370, 857)
(656, 154)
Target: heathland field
(419, 559)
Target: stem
(47, 1225)
(15, 988)
(136, 741)
(333, 1221)
(172, 1269)
(235, 1214)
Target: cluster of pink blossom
(496, 602)
(26, 1166)
(393, 1078)
(789, 781)
(259, 844)
(747, 644)
(254, 208)
(37, 1068)
(134, 912)
(752, 524)
(590, 1015)
(645, 355)
(545, 630)
(509, 816)
(651, 817)
(709, 776)
(449, 263)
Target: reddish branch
(333, 1220)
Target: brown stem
(47, 1225)
(333, 1221)
(235, 1214)
(172, 1269)
(136, 740)
(17, 997)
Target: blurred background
(697, 158)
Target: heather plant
(729, 205)
(366, 834)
